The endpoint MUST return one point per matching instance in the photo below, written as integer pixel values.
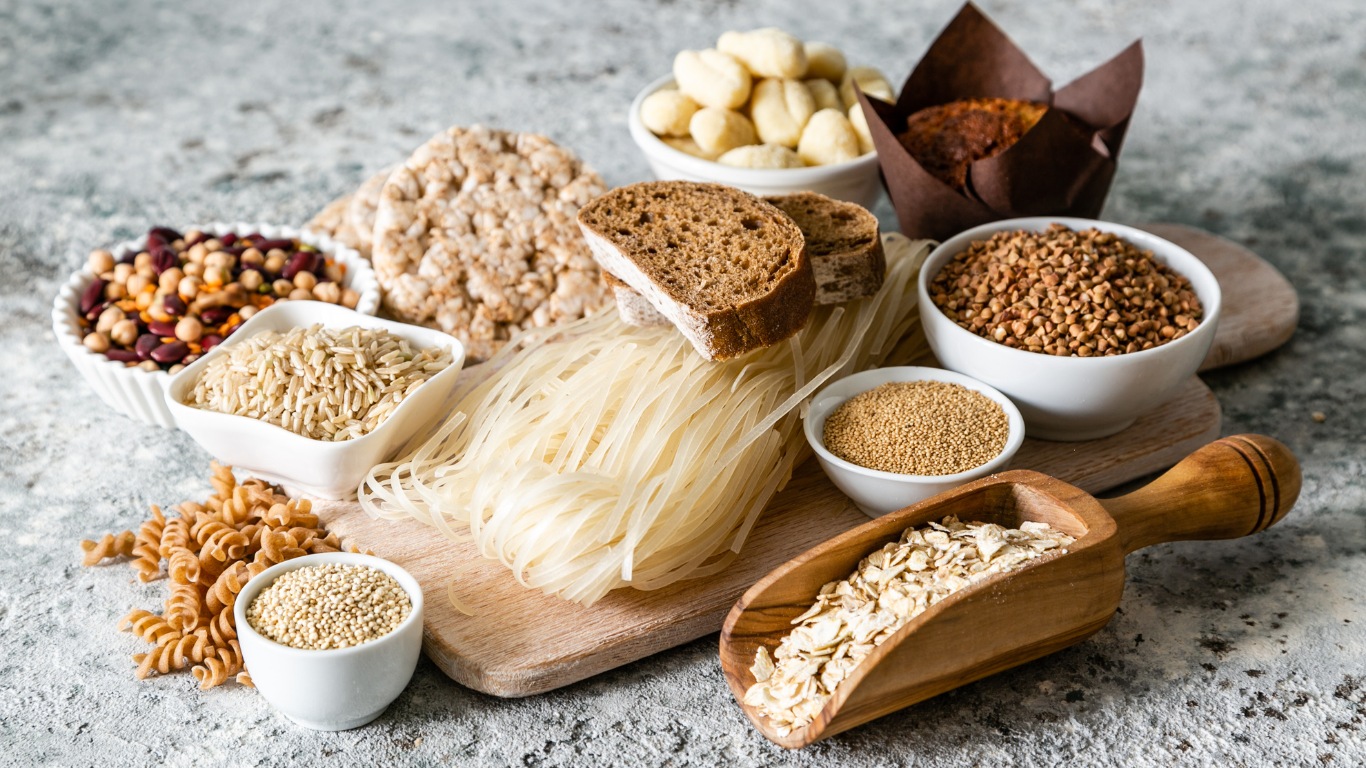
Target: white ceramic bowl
(339, 688)
(877, 492)
(856, 181)
(329, 470)
(140, 394)
(1074, 398)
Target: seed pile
(891, 586)
(918, 428)
(1067, 293)
(318, 382)
(318, 607)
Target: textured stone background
(114, 116)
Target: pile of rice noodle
(600, 455)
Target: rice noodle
(601, 455)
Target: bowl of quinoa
(331, 639)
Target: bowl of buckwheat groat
(1086, 325)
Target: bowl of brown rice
(313, 396)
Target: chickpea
(115, 291)
(147, 272)
(328, 292)
(122, 272)
(137, 284)
(179, 245)
(246, 312)
(143, 300)
(235, 294)
(275, 261)
(96, 342)
(334, 272)
(218, 260)
(124, 333)
(189, 287)
(251, 257)
(305, 280)
(157, 311)
(350, 298)
(193, 234)
(170, 279)
(197, 253)
(300, 294)
(213, 244)
(216, 277)
(141, 260)
(189, 329)
(194, 269)
(177, 368)
(282, 287)
(251, 279)
(108, 318)
(148, 365)
(101, 262)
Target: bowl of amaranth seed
(890, 437)
(1084, 324)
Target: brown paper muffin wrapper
(1062, 166)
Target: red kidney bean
(173, 304)
(145, 344)
(171, 353)
(266, 245)
(163, 257)
(255, 238)
(197, 239)
(165, 233)
(302, 261)
(216, 315)
(92, 295)
(122, 355)
(161, 329)
(95, 311)
(129, 257)
(235, 251)
(209, 341)
(228, 239)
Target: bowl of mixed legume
(141, 311)
(1085, 325)
(313, 396)
(891, 437)
(331, 639)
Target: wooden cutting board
(520, 642)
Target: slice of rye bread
(729, 270)
(842, 240)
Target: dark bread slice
(842, 241)
(728, 269)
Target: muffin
(947, 138)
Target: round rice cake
(331, 222)
(477, 234)
(360, 212)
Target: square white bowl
(856, 181)
(1074, 398)
(140, 394)
(319, 468)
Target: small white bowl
(338, 688)
(140, 394)
(856, 181)
(329, 470)
(877, 492)
(1074, 398)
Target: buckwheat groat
(476, 234)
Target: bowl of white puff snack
(765, 112)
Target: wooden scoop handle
(1233, 487)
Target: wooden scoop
(1232, 487)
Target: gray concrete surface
(114, 116)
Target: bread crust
(728, 269)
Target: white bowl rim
(696, 166)
(267, 577)
(1212, 304)
(182, 381)
(66, 321)
(1014, 437)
